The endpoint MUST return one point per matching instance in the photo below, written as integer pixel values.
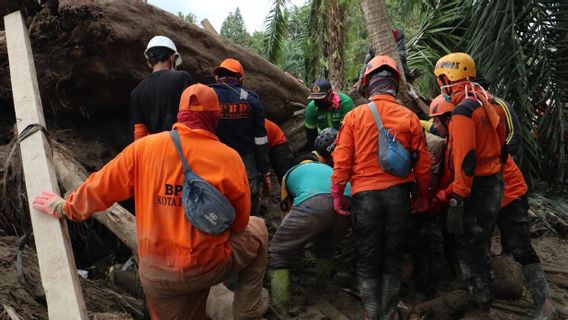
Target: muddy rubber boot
(390, 288)
(280, 291)
(369, 291)
(538, 288)
(324, 268)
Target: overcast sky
(253, 11)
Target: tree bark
(380, 34)
(335, 40)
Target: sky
(254, 12)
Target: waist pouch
(393, 156)
(205, 207)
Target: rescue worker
(281, 157)
(326, 110)
(477, 147)
(512, 220)
(241, 126)
(312, 217)
(154, 102)
(177, 262)
(380, 204)
(425, 235)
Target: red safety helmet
(440, 106)
(377, 63)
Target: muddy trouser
(183, 294)
(254, 182)
(313, 219)
(513, 223)
(425, 242)
(281, 159)
(473, 247)
(379, 221)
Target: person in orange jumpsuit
(380, 206)
(477, 147)
(177, 262)
(513, 218)
(281, 157)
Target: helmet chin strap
(467, 93)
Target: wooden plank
(55, 256)
(208, 26)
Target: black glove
(454, 219)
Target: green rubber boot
(280, 291)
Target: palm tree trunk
(381, 37)
(335, 41)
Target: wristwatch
(456, 202)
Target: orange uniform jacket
(476, 142)
(274, 133)
(355, 156)
(150, 169)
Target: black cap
(320, 89)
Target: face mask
(322, 103)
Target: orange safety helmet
(199, 97)
(377, 63)
(231, 65)
(440, 106)
(455, 66)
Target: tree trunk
(381, 37)
(335, 40)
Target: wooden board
(56, 263)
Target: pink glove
(421, 203)
(50, 203)
(266, 185)
(340, 202)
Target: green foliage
(189, 17)
(234, 29)
(275, 33)
(521, 47)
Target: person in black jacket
(155, 101)
(241, 126)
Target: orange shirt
(151, 170)
(475, 143)
(515, 185)
(355, 157)
(274, 133)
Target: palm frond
(275, 33)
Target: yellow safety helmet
(455, 66)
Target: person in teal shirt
(326, 110)
(307, 186)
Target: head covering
(231, 65)
(383, 82)
(199, 108)
(320, 89)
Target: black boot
(369, 291)
(538, 288)
(390, 287)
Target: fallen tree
(89, 57)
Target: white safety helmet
(161, 41)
